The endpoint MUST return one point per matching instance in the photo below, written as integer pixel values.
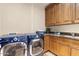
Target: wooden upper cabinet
(56, 14)
(53, 15)
(61, 13)
(67, 10)
(77, 13)
(49, 15)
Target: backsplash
(74, 28)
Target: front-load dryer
(14, 46)
(35, 45)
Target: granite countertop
(66, 36)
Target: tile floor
(48, 54)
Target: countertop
(66, 36)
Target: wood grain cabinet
(53, 15)
(49, 15)
(76, 13)
(61, 46)
(53, 44)
(62, 13)
(56, 15)
(74, 47)
(47, 12)
(46, 42)
(53, 47)
(74, 52)
(67, 11)
(58, 48)
(63, 50)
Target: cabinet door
(61, 13)
(77, 13)
(53, 44)
(53, 15)
(63, 50)
(74, 52)
(53, 47)
(52, 21)
(47, 16)
(59, 48)
(64, 13)
(46, 43)
(67, 13)
(56, 13)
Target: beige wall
(21, 18)
(38, 18)
(66, 28)
(0, 19)
(0, 24)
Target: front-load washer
(35, 45)
(14, 45)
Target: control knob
(15, 39)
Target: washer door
(14, 49)
(36, 47)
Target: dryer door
(36, 47)
(14, 49)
